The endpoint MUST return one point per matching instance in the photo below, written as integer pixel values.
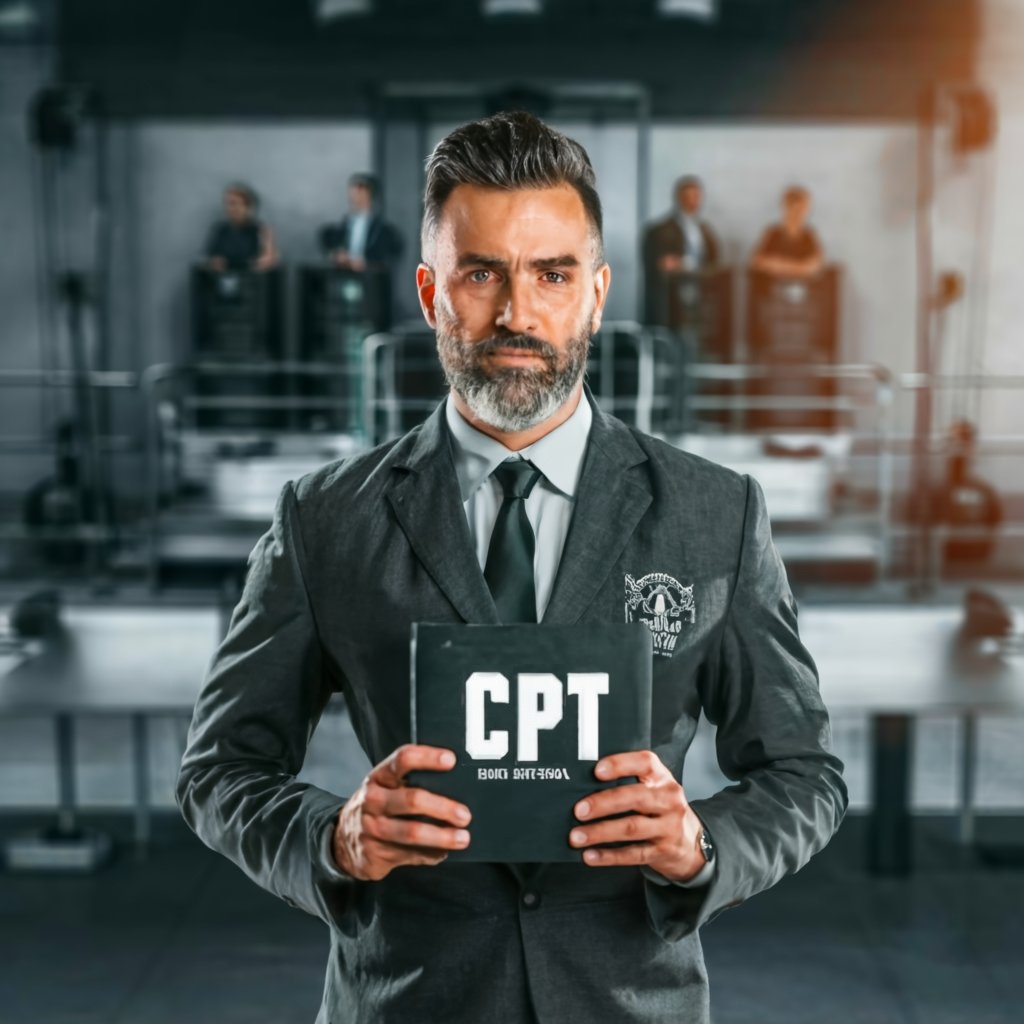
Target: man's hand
(661, 828)
(341, 258)
(373, 836)
(670, 261)
(357, 263)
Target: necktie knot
(517, 478)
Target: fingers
(633, 828)
(637, 853)
(644, 764)
(411, 757)
(405, 832)
(411, 800)
(383, 857)
(637, 798)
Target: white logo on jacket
(662, 603)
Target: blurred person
(790, 248)
(241, 241)
(364, 241)
(682, 241)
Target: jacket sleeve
(262, 698)
(773, 740)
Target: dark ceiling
(761, 59)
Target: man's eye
(554, 277)
(479, 276)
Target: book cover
(528, 710)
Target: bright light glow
(18, 16)
(326, 10)
(704, 10)
(498, 7)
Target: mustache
(526, 342)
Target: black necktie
(509, 567)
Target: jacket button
(530, 899)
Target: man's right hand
(373, 835)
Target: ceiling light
(328, 10)
(703, 10)
(492, 8)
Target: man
(364, 242)
(682, 241)
(514, 281)
(790, 248)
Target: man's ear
(602, 282)
(425, 286)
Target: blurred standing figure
(365, 242)
(682, 241)
(790, 248)
(241, 241)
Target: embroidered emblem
(662, 604)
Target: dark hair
(247, 192)
(794, 194)
(363, 180)
(511, 150)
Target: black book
(528, 710)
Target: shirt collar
(558, 454)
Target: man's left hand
(660, 827)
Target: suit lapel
(426, 501)
(610, 501)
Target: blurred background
(210, 217)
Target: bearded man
(514, 282)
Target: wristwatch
(707, 848)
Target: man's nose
(515, 309)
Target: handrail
(119, 379)
(881, 401)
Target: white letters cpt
(540, 705)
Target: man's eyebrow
(550, 262)
(476, 259)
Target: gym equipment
(793, 322)
(238, 317)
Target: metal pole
(64, 736)
(921, 553)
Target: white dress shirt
(693, 242)
(559, 457)
(358, 229)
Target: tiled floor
(184, 937)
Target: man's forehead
(469, 206)
(479, 218)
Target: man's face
(512, 291)
(690, 197)
(359, 198)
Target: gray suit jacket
(366, 546)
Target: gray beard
(512, 398)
